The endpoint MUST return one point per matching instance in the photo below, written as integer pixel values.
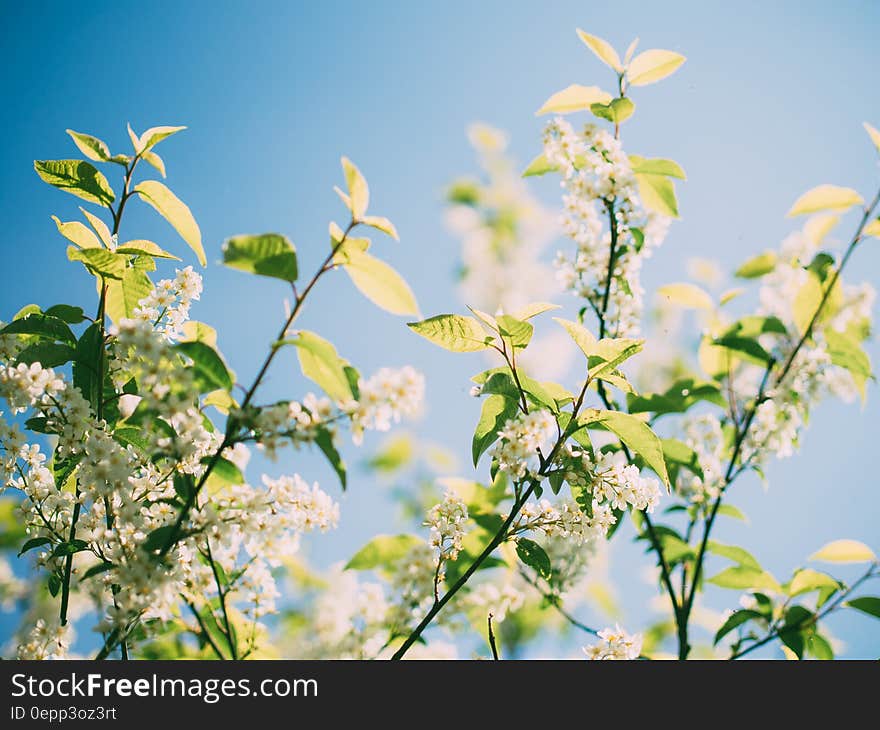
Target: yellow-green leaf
(100, 228)
(321, 363)
(825, 197)
(539, 166)
(534, 309)
(807, 580)
(77, 233)
(175, 211)
(658, 194)
(452, 332)
(742, 577)
(381, 224)
(154, 159)
(141, 247)
(818, 226)
(582, 337)
(603, 49)
(92, 147)
(651, 66)
(77, 178)
(125, 294)
(380, 283)
(689, 296)
(358, 190)
(873, 228)
(574, 98)
(757, 266)
(154, 135)
(844, 551)
(874, 134)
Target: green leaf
(97, 570)
(658, 194)
(656, 166)
(140, 247)
(515, 332)
(539, 166)
(379, 283)
(44, 326)
(124, 295)
(86, 374)
(534, 556)
(77, 233)
(358, 190)
(54, 584)
(866, 604)
(652, 66)
(574, 98)
(34, 542)
(268, 254)
(324, 440)
(224, 474)
(736, 619)
(742, 577)
(66, 313)
(757, 266)
(321, 363)
(734, 553)
(825, 197)
(159, 537)
(603, 49)
(90, 146)
(69, 548)
(208, 367)
(635, 433)
(847, 353)
(679, 453)
(819, 647)
(807, 580)
(382, 552)
(48, 354)
(728, 510)
(99, 261)
(616, 111)
(76, 177)
(844, 551)
(747, 348)
(452, 332)
(496, 411)
(175, 211)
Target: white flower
(615, 644)
(520, 441)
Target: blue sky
(769, 104)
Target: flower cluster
(385, 398)
(615, 644)
(447, 522)
(704, 436)
(166, 307)
(522, 441)
(565, 521)
(600, 185)
(612, 480)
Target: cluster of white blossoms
(785, 409)
(46, 640)
(447, 522)
(385, 398)
(612, 479)
(522, 440)
(167, 306)
(565, 521)
(294, 423)
(490, 598)
(599, 183)
(615, 644)
(704, 436)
